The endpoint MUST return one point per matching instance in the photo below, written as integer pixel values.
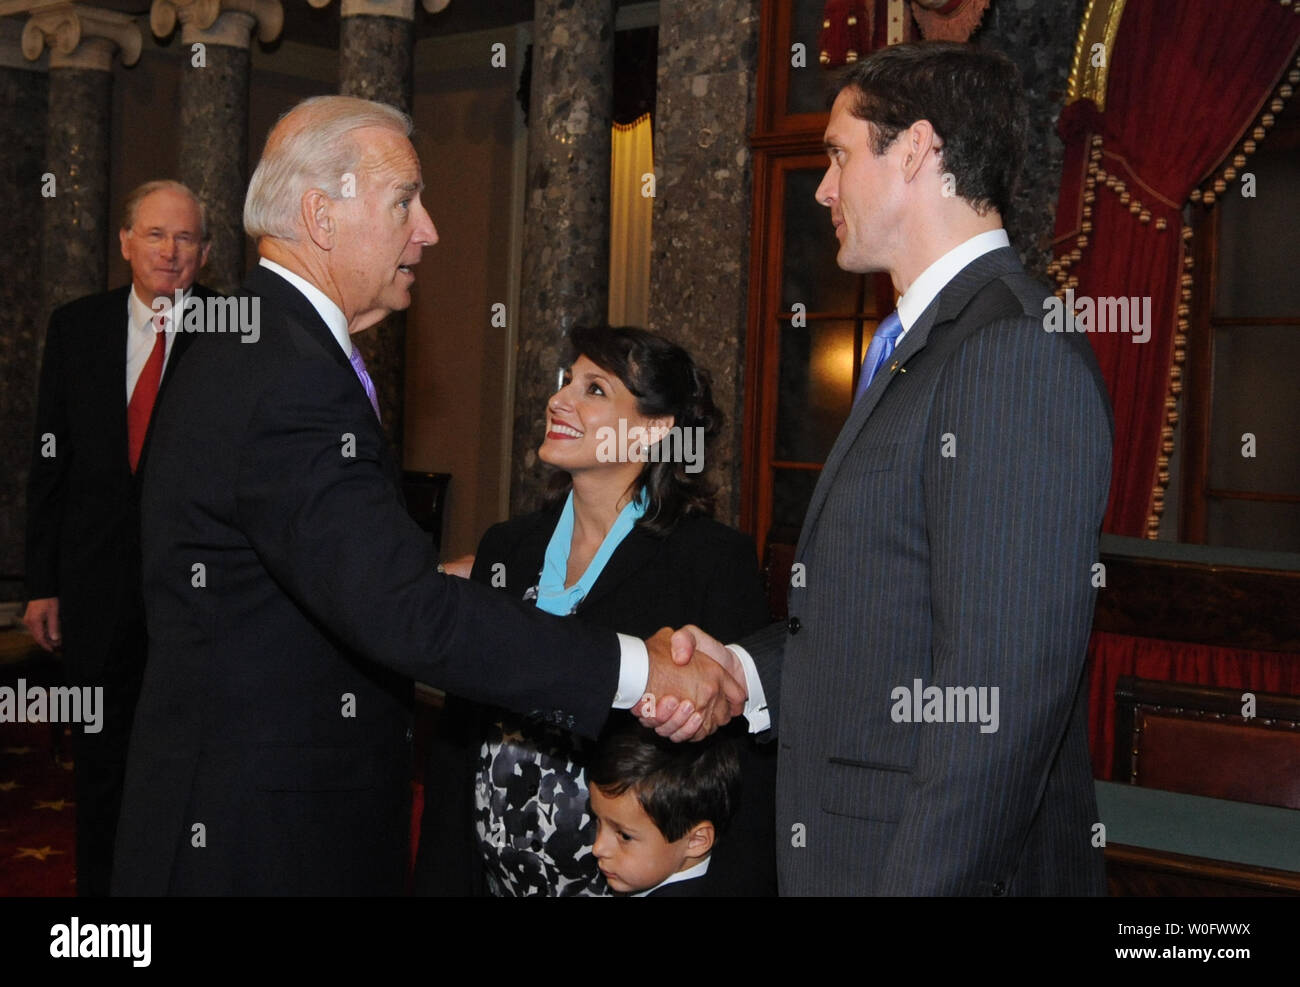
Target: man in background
(107, 359)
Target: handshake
(695, 685)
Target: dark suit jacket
(708, 885)
(83, 503)
(291, 600)
(949, 540)
(702, 573)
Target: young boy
(660, 809)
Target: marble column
(699, 262)
(376, 54)
(565, 279)
(24, 100)
(1039, 37)
(215, 38)
(58, 148)
(76, 229)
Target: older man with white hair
(291, 599)
(107, 363)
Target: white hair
(141, 192)
(311, 146)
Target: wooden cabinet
(809, 322)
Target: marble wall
(699, 263)
(24, 99)
(566, 227)
(1039, 36)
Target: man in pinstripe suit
(944, 567)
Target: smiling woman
(625, 542)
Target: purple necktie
(882, 345)
(359, 365)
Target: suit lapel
(108, 365)
(945, 307)
(631, 556)
(181, 341)
(291, 302)
(292, 305)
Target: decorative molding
(11, 49)
(1099, 26)
(218, 22)
(64, 27)
(401, 9)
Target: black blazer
(291, 600)
(83, 503)
(703, 573)
(706, 885)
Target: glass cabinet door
(816, 323)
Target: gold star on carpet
(34, 853)
(56, 806)
(19, 750)
(65, 765)
(8, 786)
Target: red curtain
(1113, 655)
(1187, 81)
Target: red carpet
(37, 815)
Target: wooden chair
(1194, 739)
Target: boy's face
(632, 853)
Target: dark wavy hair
(665, 381)
(974, 99)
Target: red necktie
(140, 407)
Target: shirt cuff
(633, 671)
(756, 706)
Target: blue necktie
(359, 365)
(881, 348)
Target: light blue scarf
(551, 594)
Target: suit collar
(329, 312)
(631, 555)
(277, 291)
(947, 305)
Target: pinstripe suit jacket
(949, 540)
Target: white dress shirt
(141, 336)
(935, 278)
(924, 290)
(634, 662)
(695, 870)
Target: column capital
(81, 37)
(402, 9)
(218, 22)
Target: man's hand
(42, 619)
(461, 567)
(687, 698)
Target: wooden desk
(1168, 843)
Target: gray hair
(311, 146)
(141, 192)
